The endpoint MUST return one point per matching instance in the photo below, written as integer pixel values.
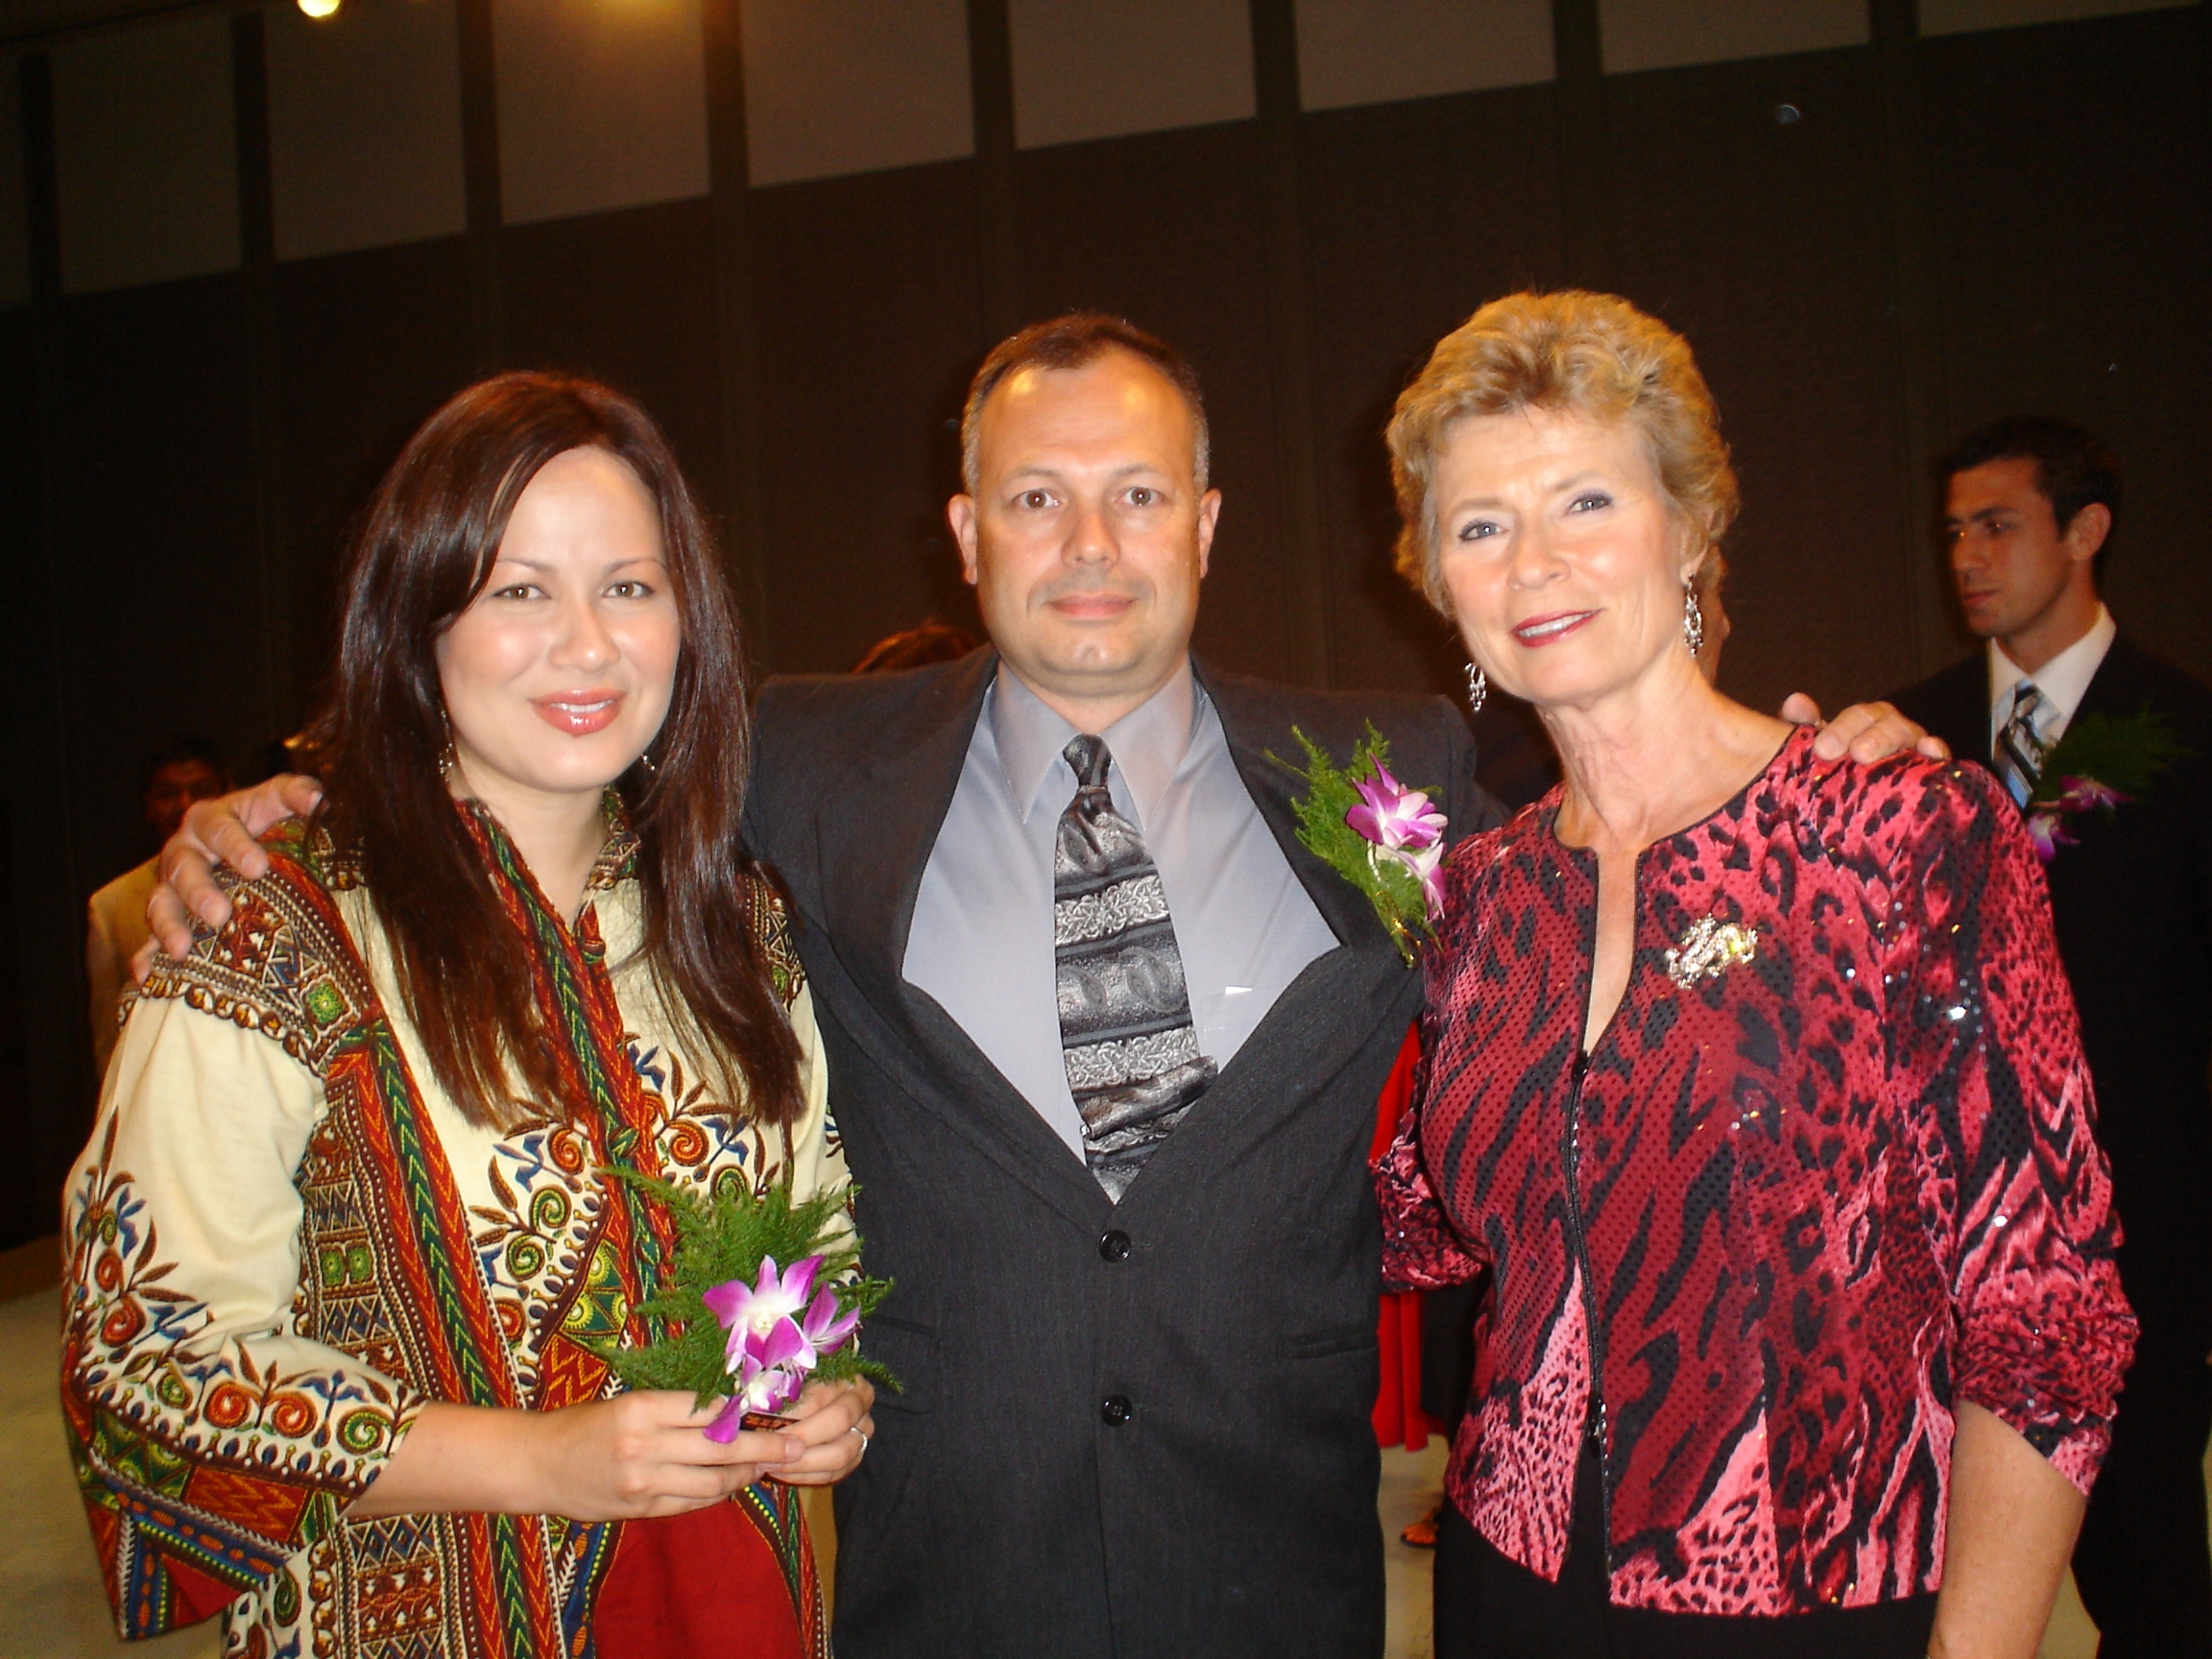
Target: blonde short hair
(1589, 355)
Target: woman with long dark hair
(346, 1246)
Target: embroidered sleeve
(2016, 1194)
(214, 1442)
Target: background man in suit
(1105, 1044)
(2030, 505)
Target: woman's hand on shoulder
(832, 1421)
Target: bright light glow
(320, 8)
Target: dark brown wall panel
(36, 910)
(2068, 173)
(1416, 213)
(1165, 230)
(627, 298)
(161, 622)
(368, 345)
(1765, 240)
(868, 326)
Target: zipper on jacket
(1581, 1246)
(1578, 1237)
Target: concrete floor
(52, 1606)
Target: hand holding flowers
(765, 1302)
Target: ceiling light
(320, 8)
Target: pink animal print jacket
(1827, 1172)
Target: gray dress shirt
(982, 941)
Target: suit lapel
(1250, 721)
(1324, 1017)
(874, 849)
(875, 843)
(2118, 690)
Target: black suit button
(1114, 1247)
(1116, 1410)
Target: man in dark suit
(2029, 508)
(1105, 1044)
(1132, 1424)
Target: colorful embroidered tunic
(1827, 1172)
(283, 1241)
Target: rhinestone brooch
(1708, 948)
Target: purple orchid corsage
(777, 1337)
(1386, 839)
(730, 1322)
(1400, 822)
(2049, 821)
(2098, 764)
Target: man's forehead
(2009, 482)
(1043, 416)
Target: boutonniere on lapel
(1708, 948)
(764, 1295)
(1386, 839)
(2098, 764)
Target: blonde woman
(1752, 1077)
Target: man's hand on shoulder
(224, 831)
(1867, 731)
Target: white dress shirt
(2063, 681)
(982, 941)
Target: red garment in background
(1399, 1420)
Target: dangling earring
(448, 758)
(646, 761)
(1692, 621)
(1477, 688)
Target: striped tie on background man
(2019, 752)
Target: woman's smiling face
(1561, 552)
(559, 673)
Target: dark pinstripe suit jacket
(1000, 1511)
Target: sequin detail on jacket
(1790, 1210)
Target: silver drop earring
(1692, 621)
(1477, 688)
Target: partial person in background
(918, 647)
(347, 1239)
(2029, 508)
(1751, 1080)
(184, 770)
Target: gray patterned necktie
(2019, 752)
(1125, 1031)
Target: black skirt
(1490, 1607)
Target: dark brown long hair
(422, 553)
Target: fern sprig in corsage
(764, 1295)
(1386, 839)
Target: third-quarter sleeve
(2014, 1190)
(213, 1440)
